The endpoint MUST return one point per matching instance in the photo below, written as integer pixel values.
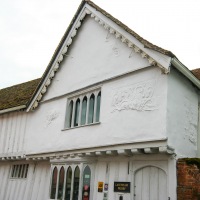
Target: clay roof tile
(17, 95)
(196, 73)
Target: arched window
(77, 108)
(69, 114)
(76, 183)
(91, 109)
(98, 107)
(68, 183)
(54, 183)
(84, 110)
(86, 183)
(61, 183)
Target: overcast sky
(30, 31)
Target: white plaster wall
(12, 133)
(139, 119)
(94, 55)
(182, 115)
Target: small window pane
(54, 183)
(91, 109)
(23, 169)
(98, 106)
(68, 183)
(13, 171)
(69, 114)
(77, 108)
(16, 170)
(86, 183)
(61, 183)
(76, 183)
(26, 171)
(84, 110)
(19, 172)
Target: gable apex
(115, 27)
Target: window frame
(71, 106)
(73, 166)
(19, 171)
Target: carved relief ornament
(138, 97)
(191, 122)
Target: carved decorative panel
(136, 97)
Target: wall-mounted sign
(122, 187)
(100, 186)
(106, 187)
(105, 196)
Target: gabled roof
(17, 95)
(66, 41)
(146, 43)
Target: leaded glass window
(83, 109)
(69, 114)
(61, 183)
(76, 183)
(76, 117)
(98, 107)
(54, 183)
(68, 183)
(86, 183)
(91, 109)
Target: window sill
(92, 124)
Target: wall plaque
(122, 187)
(106, 187)
(100, 186)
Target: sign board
(122, 187)
(106, 187)
(105, 196)
(100, 186)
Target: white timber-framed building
(107, 120)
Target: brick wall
(188, 179)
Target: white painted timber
(34, 187)
(151, 184)
(12, 134)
